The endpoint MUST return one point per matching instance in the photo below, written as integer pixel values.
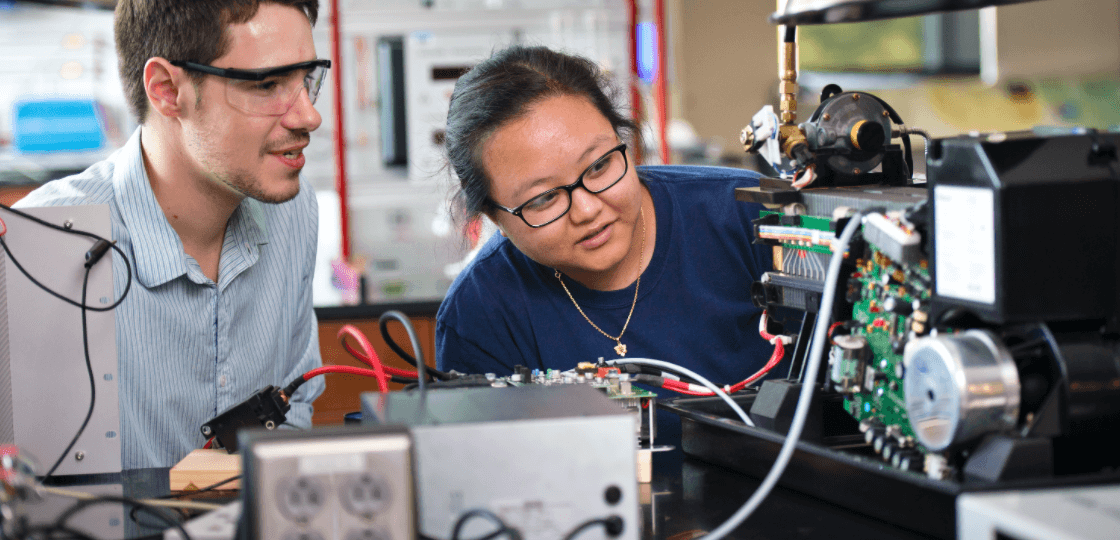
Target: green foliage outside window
(886, 45)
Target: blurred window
(934, 44)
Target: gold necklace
(619, 348)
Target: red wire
(832, 329)
(351, 370)
(682, 388)
(775, 358)
(369, 357)
(208, 444)
(390, 370)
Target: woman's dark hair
(499, 90)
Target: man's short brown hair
(186, 30)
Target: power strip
(336, 482)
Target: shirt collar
(156, 248)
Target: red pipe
(339, 132)
(635, 92)
(660, 82)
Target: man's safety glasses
(268, 91)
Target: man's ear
(167, 86)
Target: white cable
(668, 365)
(166, 503)
(808, 384)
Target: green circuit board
(880, 395)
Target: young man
(207, 202)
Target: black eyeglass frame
(251, 74)
(518, 211)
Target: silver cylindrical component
(959, 387)
(849, 358)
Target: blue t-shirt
(694, 304)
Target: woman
(596, 258)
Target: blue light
(647, 52)
(866, 407)
(57, 125)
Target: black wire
(92, 384)
(612, 524)
(383, 326)
(50, 530)
(148, 524)
(482, 512)
(128, 265)
(60, 523)
(421, 367)
(791, 33)
(211, 487)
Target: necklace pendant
(620, 349)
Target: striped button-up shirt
(189, 348)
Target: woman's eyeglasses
(551, 205)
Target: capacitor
(872, 434)
(907, 460)
(879, 442)
(889, 449)
(847, 360)
(897, 306)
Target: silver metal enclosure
(44, 384)
(544, 458)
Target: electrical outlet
(302, 498)
(365, 495)
(344, 482)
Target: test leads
(344, 482)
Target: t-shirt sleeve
(465, 355)
(482, 324)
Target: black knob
(868, 136)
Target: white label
(966, 243)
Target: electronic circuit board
(888, 300)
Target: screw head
(69, 224)
(826, 117)
(856, 171)
(269, 424)
(885, 113)
(80, 455)
(612, 495)
(206, 430)
(855, 97)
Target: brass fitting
(788, 85)
(791, 136)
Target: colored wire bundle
(366, 354)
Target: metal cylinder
(959, 387)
